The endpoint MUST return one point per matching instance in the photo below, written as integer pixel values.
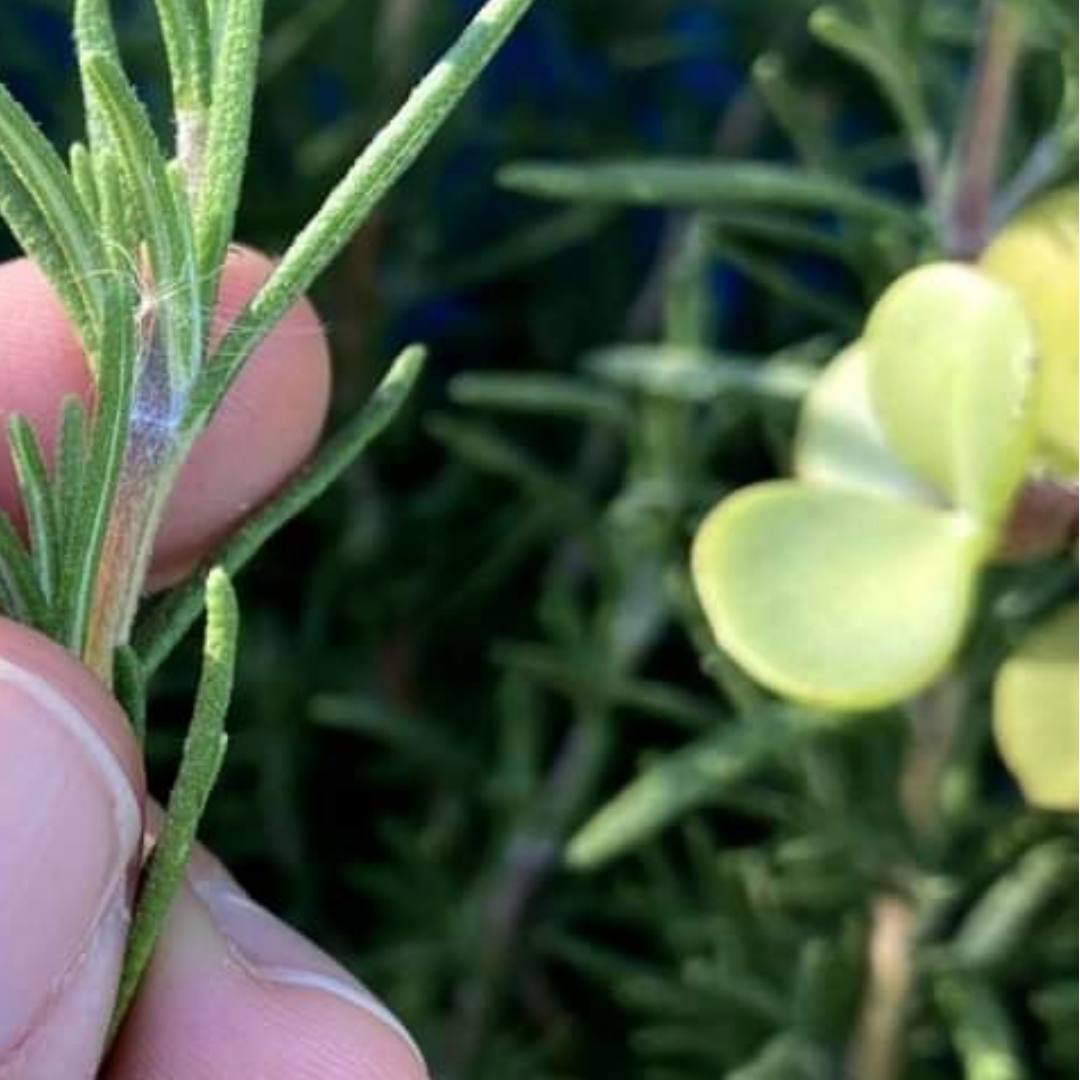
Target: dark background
(402, 771)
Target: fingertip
(234, 992)
(71, 793)
(40, 365)
(61, 679)
(264, 430)
(266, 427)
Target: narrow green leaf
(81, 165)
(164, 218)
(185, 30)
(691, 374)
(235, 71)
(129, 686)
(88, 518)
(171, 617)
(119, 228)
(786, 1056)
(388, 155)
(564, 228)
(94, 35)
(577, 679)
(537, 393)
(770, 274)
(677, 784)
(487, 450)
(981, 1030)
(42, 208)
(409, 737)
(788, 107)
(38, 503)
(70, 470)
(204, 750)
(879, 51)
(19, 586)
(786, 231)
(999, 924)
(701, 184)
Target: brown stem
(934, 718)
(877, 1053)
(529, 858)
(977, 151)
(1043, 520)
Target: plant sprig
(133, 237)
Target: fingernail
(69, 828)
(272, 951)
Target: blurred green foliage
(487, 631)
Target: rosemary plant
(133, 234)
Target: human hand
(231, 991)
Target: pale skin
(231, 992)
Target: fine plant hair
(133, 237)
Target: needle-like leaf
(204, 751)
(703, 184)
(70, 470)
(164, 219)
(42, 208)
(678, 783)
(185, 29)
(235, 68)
(129, 686)
(81, 164)
(19, 590)
(388, 155)
(39, 505)
(88, 518)
(94, 35)
(167, 622)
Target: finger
(232, 992)
(71, 793)
(267, 425)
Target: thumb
(71, 796)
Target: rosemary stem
(153, 456)
(140, 501)
(878, 1050)
(976, 161)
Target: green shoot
(204, 751)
